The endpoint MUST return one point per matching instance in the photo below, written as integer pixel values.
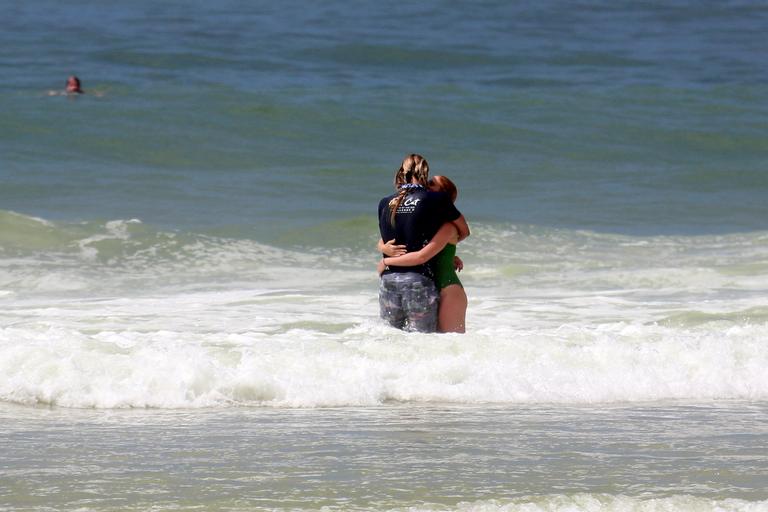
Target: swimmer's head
(73, 85)
(443, 184)
(414, 168)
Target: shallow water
(446, 457)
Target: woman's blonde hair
(414, 167)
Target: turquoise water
(608, 116)
(187, 254)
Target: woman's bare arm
(426, 253)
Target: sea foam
(371, 364)
(603, 503)
(123, 315)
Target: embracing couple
(420, 227)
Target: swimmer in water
(73, 85)
(73, 88)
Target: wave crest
(372, 364)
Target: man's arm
(462, 227)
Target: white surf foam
(602, 503)
(315, 360)
(199, 321)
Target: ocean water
(188, 301)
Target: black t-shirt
(420, 215)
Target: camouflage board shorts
(409, 301)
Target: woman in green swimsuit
(453, 299)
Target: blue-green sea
(188, 296)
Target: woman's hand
(390, 249)
(458, 265)
(380, 267)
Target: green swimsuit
(445, 274)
